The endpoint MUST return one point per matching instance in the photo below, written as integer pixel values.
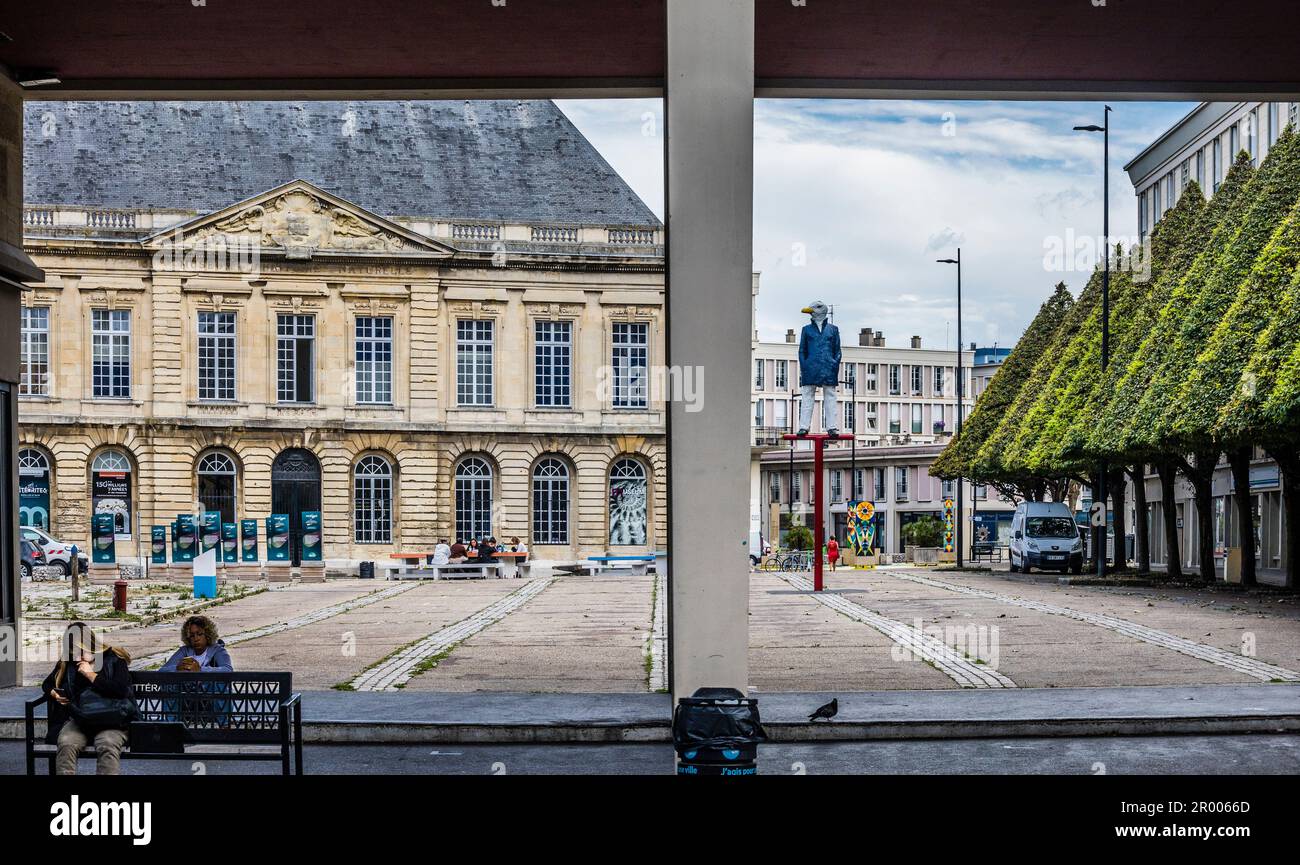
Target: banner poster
(229, 542)
(105, 552)
(948, 524)
(277, 538)
(248, 544)
(187, 538)
(311, 536)
(158, 545)
(862, 527)
(210, 530)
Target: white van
(1044, 535)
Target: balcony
(770, 436)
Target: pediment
(300, 221)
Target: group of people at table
(482, 551)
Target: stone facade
(332, 261)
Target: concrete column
(15, 269)
(709, 111)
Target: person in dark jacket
(87, 664)
(201, 651)
(819, 366)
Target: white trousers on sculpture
(830, 407)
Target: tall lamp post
(961, 391)
(1099, 534)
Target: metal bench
(227, 716)
(469, 569)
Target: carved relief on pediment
(302, 223)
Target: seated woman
(87, 664)
(201, 650)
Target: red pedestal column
(818, 527)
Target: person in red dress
(832, 552)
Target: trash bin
(716, 731)
(367, 570)
(119, 596)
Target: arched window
(33, 489)
(627, 503)
(550, 502)
(473, 499)
(217, 476)
(372, 501)
(110, 488)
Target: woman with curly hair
(201, 651)
(86, 664)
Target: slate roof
(506, 160)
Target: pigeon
(830, 710)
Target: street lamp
(961, 390)
(1099, 535)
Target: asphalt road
(1172, 755)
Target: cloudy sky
(854, 200)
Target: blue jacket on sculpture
(819, 354)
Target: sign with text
(277, 538)
(210, 532)
(105, 552)
(229, 542)
(248, 545)
(158, 545)
(311, 536)
(187, 539)
(34, 498)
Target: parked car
(57, 554)
(33, 557)
(1044, 535)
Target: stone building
(424, 319)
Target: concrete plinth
(279, 572)
(102, 574)
(245, 572)
(312, 572)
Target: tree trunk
(1174, 553)
(1142, 530)
(1119, 498)
(1239, 459)
(1290, 465)
(1201, 474)
(1097, 533)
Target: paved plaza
(889, 628)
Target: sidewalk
(428, 717)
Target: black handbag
(92, 710)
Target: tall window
(34, 352)
(795, 492)
(216, 481)
(782, 374)
(473, 362)
(216, 355)
(758, 412)
(900, 483)
(837, 485)
(33, 489)
(938, 381)
(917, 377)
(759, 363)
(628, 503)
(851, 378)
(859, 483)
(774, 487)
(850, 416)
(895, 418)
(553, 364)
(1217, 151)
(872, 416)
(1200, 169)
(551, 502)
(1252, 135)
(878, 484)
(872, 371)
(895, 379)
(374, 351)
(110, 336)
(372, 501)
(780, 416)
(916, 417)
(1234, 138)
(473, 499)
(295, 358)
(1155, 198)
(631, 357)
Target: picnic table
(410, 561)
(638, 565)
(511, 561)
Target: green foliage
(799, 538)
(958, 458)
(923, 532)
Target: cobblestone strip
(296, 622)
(398, 668)
(962, 670)
(1163, 639)
(659, 637)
